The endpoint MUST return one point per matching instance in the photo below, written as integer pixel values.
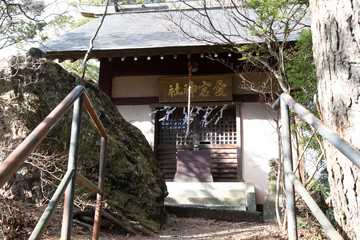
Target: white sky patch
(6, 52)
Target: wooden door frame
(239, 135)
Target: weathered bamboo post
(288, 167)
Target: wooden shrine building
(144, 68)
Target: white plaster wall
(259, 145)
(138, 115)
(135, 86)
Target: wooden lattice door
(220, 139)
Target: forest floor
(17, 222)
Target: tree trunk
(335, 27)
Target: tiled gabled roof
(145, 31)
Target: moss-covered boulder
(134, 185)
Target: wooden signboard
(204, 88)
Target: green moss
(128, 205)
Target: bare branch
(304, 150)
(315, 170)
(200, 23)
(92, 40)
(21, 9)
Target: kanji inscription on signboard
(203, 88)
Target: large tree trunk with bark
(335, 27)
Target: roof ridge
(190, 5)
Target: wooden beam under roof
(65, 55)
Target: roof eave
(113, 53)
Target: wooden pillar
(239, 139)
(105, 77)
(153, 127)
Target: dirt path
(198, 228)
(20, 221)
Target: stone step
(222, 201)
(178, 186)
(223, 213)
(193, 193)
(211, 194)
